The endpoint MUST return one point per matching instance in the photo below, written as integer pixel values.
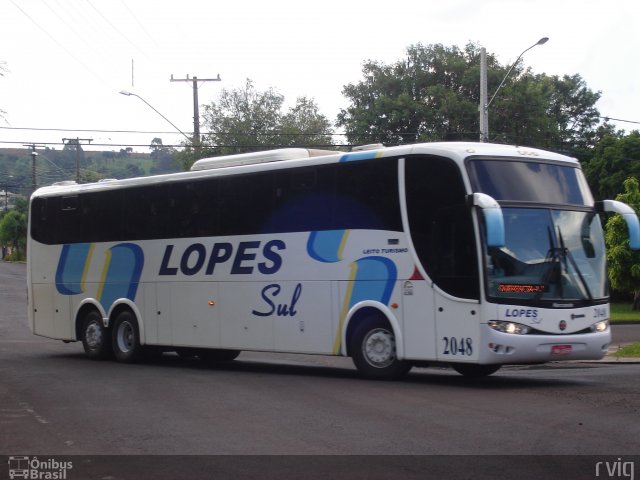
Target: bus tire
(474, 370)
(96, 338)
(218, 355)
(126, 338)
(373, 351)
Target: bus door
(457, 288)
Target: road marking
(29, 409)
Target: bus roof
(282, 158)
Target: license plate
(561, 349)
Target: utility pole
(34, 154)
(67, 141)
(196, 111)
(483, 107)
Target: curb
(611, 357)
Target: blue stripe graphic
(71, 267)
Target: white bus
(462, 254)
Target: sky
(67, 60)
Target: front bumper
(504, 348)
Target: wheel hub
(125, 337)
(379, 348)
(93, 335)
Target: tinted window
(305, 199)
(530, 181)
(362, 195)
(100, 217)
(367, 195)
(245, 205)
(193, 209)
(147, 212)
(441, 224)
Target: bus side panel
(150, 312)
(302, 317)
(165, 321)
(458, 329)
(43, 310)
(52, 315)
(240, 327)
(189, 314)
(418, 320)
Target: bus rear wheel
(126, 338)
(475, 371)
(96, 338)
(373, 351)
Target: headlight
(509, 327)
(600, 326)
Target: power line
(68, 52)
(97, 130)
(140, 24)
(116, 29)
(63, 20)
(86, 130)
(606, 119)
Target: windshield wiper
(567, 254)
(552, 258)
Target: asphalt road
(54, 401)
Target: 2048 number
(458, 346)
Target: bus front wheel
(373, 350)
(96, 338)
(126, 338)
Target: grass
(621, 312)
(627, 351)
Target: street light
(484, 105)
(129, 94)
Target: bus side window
(41, 231)
(101, 216)
(68, 223)
(246, 203)
(195, 212)
(441, 225)
(69, 203)
(146, 215)
(367, 195)
(304, 200)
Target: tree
(615, 158)
(304, 125)
(427, 96)
(156, 146)
(164, 157)
(245, 119)
(13, 232)
(434, 93)
(624, 264)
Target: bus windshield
(549, 255)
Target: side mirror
(629, 216)
(493, 219)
